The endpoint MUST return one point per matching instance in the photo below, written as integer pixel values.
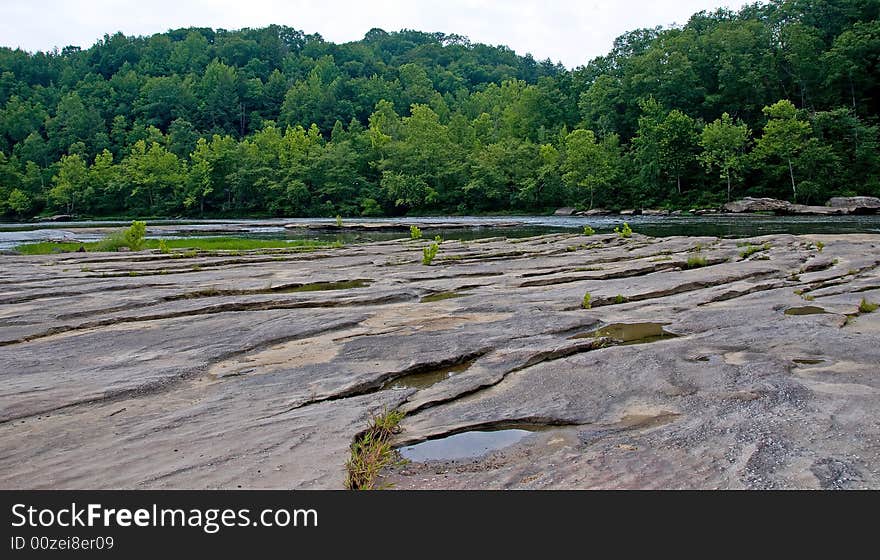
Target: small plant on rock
(752, 249)
(696, 261)
(132, 238)
(415, 232)
(338, 220)
(134, 235)
(372, 451)
(163, 247)
(589, 231)
(624, 232)
(866, 306)
(819, 246)
(429, 252)
(586, 302)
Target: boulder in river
(856, 204)
(750, 204)
(594, 212)
(818, 210)
(565, 211)
(58, 218)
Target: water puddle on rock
(631, 333)
(322, 286)
(425, 379)
(807, 361)
(287, 289)
(440, 296)
(466, 445)
(805, 310)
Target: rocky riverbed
(701, 363)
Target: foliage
(371, 451)
(134, 235)
(695, 261)
(131, 238)
(785, 138)
(589, 163)
(752, 249)
(724, 143)
(586, 302)
(623, 232)
(415, 232)
(589, 231)
(866, 306)
(778, 99)
(429, 253)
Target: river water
(12, 234)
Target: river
(12, 234)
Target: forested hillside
(780, 99)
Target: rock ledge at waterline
(837, 206)
(256, 370)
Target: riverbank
(700, 362)
(469, 228)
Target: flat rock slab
(258, 369)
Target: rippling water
(721, 226)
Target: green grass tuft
(371, 452)
(752, 249)
(695, 261)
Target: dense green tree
(678, 145)
(154, 175)
(71, 184)
(724, 143)
(785, 137)
(588, 163)
(276, 121)
(220, 107)
(73, 122)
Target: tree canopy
(781, 99)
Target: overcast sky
(567, 31)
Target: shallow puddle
(440, 296)
(807, 362)
(466, 444)
(321, 286)
(425, 379)
(805, 310)
(631, 333)
(287, 289)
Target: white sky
(567, 31)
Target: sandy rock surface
(257, 370)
